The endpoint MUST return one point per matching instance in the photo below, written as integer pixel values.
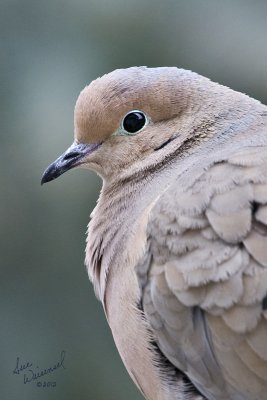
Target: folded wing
(205, 291)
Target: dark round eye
(134, 121)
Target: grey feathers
(208, 278)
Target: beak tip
(43, 180)
(49, 174)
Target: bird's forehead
(102, 104)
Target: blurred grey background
(49, 51)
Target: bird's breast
(129, 328)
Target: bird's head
(128, 115)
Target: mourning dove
(177, 244)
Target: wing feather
(207, 277)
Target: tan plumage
(177, 245)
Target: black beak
(71, 158)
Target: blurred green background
(49, 51)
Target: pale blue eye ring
(133, 122)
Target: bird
(177, 243)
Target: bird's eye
(133, 122)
